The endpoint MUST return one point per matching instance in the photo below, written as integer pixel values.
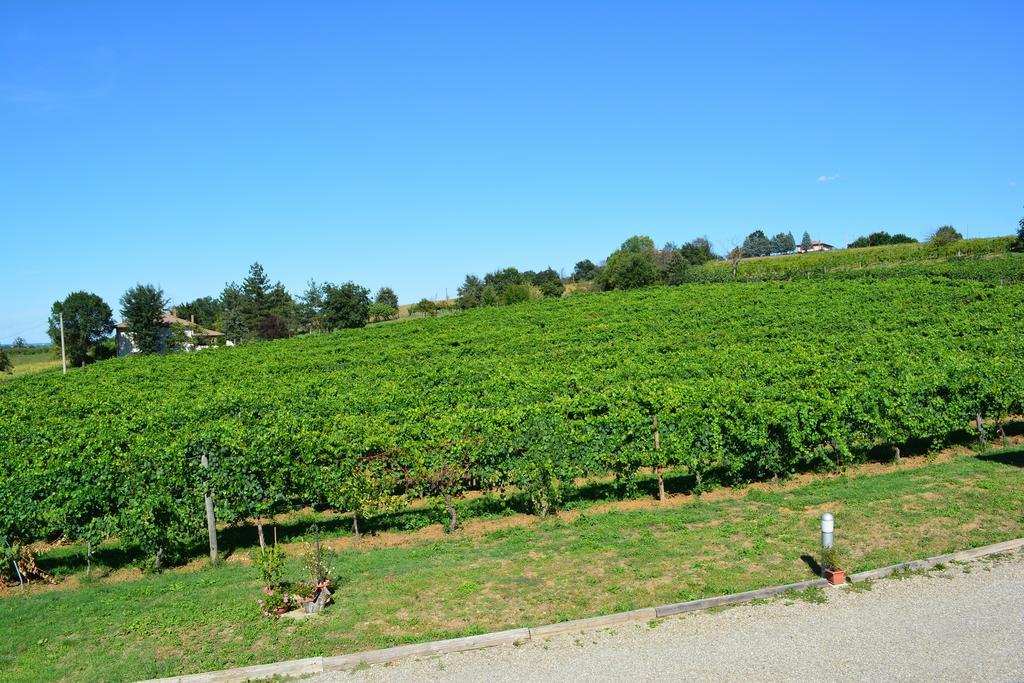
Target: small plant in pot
(832, 567)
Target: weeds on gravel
(813, 595)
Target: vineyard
(966, 259)
(727, 382)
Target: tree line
(257, 309)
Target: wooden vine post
(657, 447)
(211, 519)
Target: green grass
(30, 361)
(565, 568)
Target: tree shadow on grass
(1012, 458)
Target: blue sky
(407, 144)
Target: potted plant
(276, 602)
(832, 568)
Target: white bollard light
(828, 523)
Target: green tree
(549, 282)
(255, 292)
(471, 292)
(500, 279)
(698, 251)
(780, 243)
(231, 320)
(634, 264)
(947, 234)
(584, 270)
(516, 293)
(1018, 244)
(806, 243)
(273, 327)
(675, 270)
(900, 238)
(205, 311)
(87, 321)
(142, 307)
(381, 311)
(280, 306)
(629, 270)
(638, 244)
(386, 296)
(757, 244)
(19, 343)
(6, 365)
(424, 306)
(310, 308)
(345, 306)
(488, 296)
(790, 243)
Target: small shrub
(269, 563)
(947, 234)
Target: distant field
(29, 361)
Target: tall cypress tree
(142, 307)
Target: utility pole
(63, 359)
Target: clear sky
(408, 144)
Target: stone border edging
(315, 665)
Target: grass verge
(186, 621)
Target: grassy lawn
(29, 361)
(578, 564)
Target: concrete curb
(928, 563)
(315, 665)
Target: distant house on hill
(816, 245)
(198, 337)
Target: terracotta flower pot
(280, 610)
(836, 577)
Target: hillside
(748, 380)
(965, 258)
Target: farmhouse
(816, 245)
(198, 337)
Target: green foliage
(833, 557)
(757, 244)
(345, 306)
(584, 270)
(424, 306)
(806, 243)
(380, 311)
(257, 309)
(6, 365)
(87, 321)
(269, 564)
(386, 297)
(471, 292)
(880, 239)
(947, 234)
(634, 265)
(1018, 243)
(142, 308)
(516, 293)
(205, 311)
(748, 381)
(19, 343)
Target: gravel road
(960, 624)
